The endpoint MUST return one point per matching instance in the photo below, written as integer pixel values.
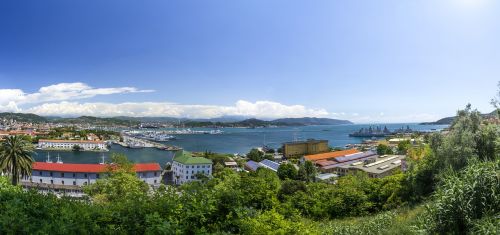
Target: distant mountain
(449, 120)
(312, 121)
(225, 121)
(23, 117)
(97, 121)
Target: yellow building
(300, 148)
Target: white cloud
(259, 109)
(59, 92)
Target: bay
(233, 140)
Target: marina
(232, 140)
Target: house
(300, 148)
(253, 166)
(328, 156)
(68, 144)
(187, 168)
(69, 177)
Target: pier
(134, 142)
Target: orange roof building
(329, 155)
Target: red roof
(330, 155)
(89, 168)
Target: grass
(400, 221)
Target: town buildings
(69, 178)
(253, 166)
(187, 168)
(68, 144)
(301, 148)
(349, 161)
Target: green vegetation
(383, 149)
(71, 132)
(76, 148)
(15, 157)
(23, 117)
(287, 171)
(452, 186)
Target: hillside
(97, 121)
(449, 120)
(23, 117)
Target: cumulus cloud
(259, 109)
(58, 92)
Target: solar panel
(270, 164)
(252, 165)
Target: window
(192, 172)
(155, 181)
(41, 181)
(84, 183)
(198, 166)
(74, 182)
(40, 173)
(62, 182)
(62, 175)
(50, 174)
(51, 182)
(97, 176)
(156, 174)
(192, 177)
(187, 177)
(85, 175)
(74, 175)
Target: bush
(464, 198)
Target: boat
(371, 132)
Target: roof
(270, 164)
(325, 156)
(89, 168)
(354, 156)
(311, 141)
(73, 141)
(382, 164)
(252, 165)
(326, 176)
(230, 163)
(187, 158)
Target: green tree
(15, 157)
(307, 171)
(77, 148)
(255, 155)
(404, 146)
(119, 183)
(383, 149)
(287, 171)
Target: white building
(185, 167)
(70, 178)
(68, 144)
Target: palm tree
(15, 157)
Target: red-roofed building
(70, 176)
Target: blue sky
(366, 61)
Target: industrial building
(297, 149)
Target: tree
(15, 157)
(255, 155)
(271, 151)
(404, 146)
(287, 171)
(120, 183)
(77, 148)
(307, 171)
(383, 149)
